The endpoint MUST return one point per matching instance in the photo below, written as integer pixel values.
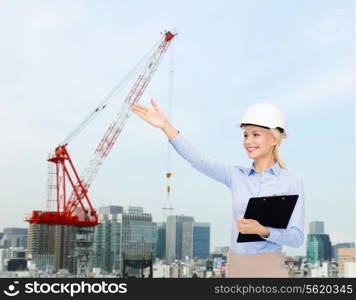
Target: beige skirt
(256, 265)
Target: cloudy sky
(58, 59)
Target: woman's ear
(274, 141)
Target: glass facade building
(316, 227)
(186, 239)
(119, 235)
(201, 240)
(161, 240)
(318, 248)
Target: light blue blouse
(245, 183)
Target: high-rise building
(105, 252)
(347, 256)
(130, 234)
(336, 247)
(133, 210)
(161, 240)
(112, 209)
(174, 237)
(14, 237)
(316, 227)
(318, 243)
(195, 240)
(318, 248)
(41, 245)
(102, 241)
(201, 240)
(186, 239)
(52, 247)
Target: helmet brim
(281, 130)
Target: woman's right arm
(198, 160)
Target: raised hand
(155, 117)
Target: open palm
(156, 117)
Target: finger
(245, 228)
(155, 105)
(250, 221)
(140, 106)
(138, 109)
(241, 228)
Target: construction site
(62, 235)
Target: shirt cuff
(176, 139)
(273, 234)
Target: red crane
(77, 209)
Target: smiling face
(258, 142)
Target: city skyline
(128, 232)
(315, 227)
(63, 57)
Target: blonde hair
(276, 154)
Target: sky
(60, 58)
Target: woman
(264, 128)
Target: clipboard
(272, 211)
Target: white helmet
(265, 115)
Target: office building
(174, 237)
(186, 239)
(107, 210)
(336, 247)
(161, 240)
(14, 237)
(195, 240)
(127, 235)
(133, 210)
(316, 227)
(201, 240)
(346, 261)
(318, 248)
(53, 247)
(318, 243)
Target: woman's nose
(248, 140)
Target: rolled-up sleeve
(201, 161)
(293, 235)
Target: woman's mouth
(251, 149)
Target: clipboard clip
(274, 195)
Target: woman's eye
(256, 134)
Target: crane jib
(77, 210)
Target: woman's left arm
(293, 235)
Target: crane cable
(168, 205)
(109, 97)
